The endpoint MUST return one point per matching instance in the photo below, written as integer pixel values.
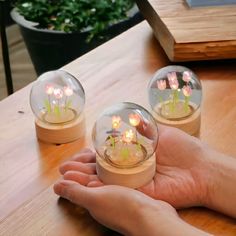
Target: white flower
(68, 91)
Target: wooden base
(132, 177)
(189, 34)
(59, 134)
(190, 125)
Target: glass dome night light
(175, 95)
(125, 135)
(57, 98)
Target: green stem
(125, 153)
(186, 102)
(175, 99)
(112, 140)
(66, 104)
(49, 101)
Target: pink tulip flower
(187, 91)
(161, 84)
(68, 91)
(58, 93)
(173, 81)
(49, 89)
(187, 76)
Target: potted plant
(58, 31)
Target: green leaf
(96, 15)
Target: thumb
(73, 192)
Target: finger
(87, 168)
(80, 177)
(96, 183)
(85, 150)
(74, 192)
(147, 129)
(85, 157)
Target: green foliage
(74, 15)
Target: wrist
(221, 190)
(165, 224)
(160, 219)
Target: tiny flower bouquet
(178, 85)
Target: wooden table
(190, 34)
(117, 71)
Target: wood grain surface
(117, 71)
(190, 34)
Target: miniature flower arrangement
(174, 107)
(175, 96)
(125, 151)
(58, 103)
(124, 148)
(57, 100)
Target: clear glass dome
(57, 97)
(174, 92)
(125, 135)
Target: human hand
(126, 210)
(181, 173)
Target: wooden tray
(189, 34)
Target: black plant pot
(50, 50)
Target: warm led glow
(58, 93)
(68, 91)
(128, 136)
(116, 122)
(49, 89)
(134, 119)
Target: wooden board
(189, 34)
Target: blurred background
(27, 62)
(21, 66)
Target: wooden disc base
(190, 125)
(130, 177)
(60, 133)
